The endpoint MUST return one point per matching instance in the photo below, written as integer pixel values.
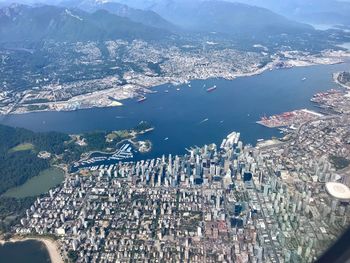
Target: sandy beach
(51, 246)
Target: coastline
(134, 135)
(338, 58)
(335, 79)
(52, 246)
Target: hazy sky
(261, 1)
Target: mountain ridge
(226, 17)
(146, 17)
(26, 23)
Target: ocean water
(30, 251)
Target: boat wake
(205, 120)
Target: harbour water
(187, 116)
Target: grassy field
(22, 147)
(124, 134)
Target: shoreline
(289, 64)
(130, 140)
(52, 247)
(335, 79)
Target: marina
(125, 152)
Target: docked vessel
(211, 88)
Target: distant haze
(330, 12)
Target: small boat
(141, 99)
(189, 85)
(205, 120)
(166, 139)
(303, 79)
(166, 91)
(211, 88)
(178, 89)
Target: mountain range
(146, 17)
(229, 18)
(77, 20)
(28, 23)
(310, 11)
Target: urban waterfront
(188, 116)
(191, 116)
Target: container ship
(211, 88)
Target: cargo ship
(211, 88)
(141, 99)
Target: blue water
(234, 106)
(30, 251)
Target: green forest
(19, 165)
(19, 160)
(19, 148)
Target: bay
(30, 251)
(187, 117)
(190, 116)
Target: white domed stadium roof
(338, 190)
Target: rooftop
(338, 190)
